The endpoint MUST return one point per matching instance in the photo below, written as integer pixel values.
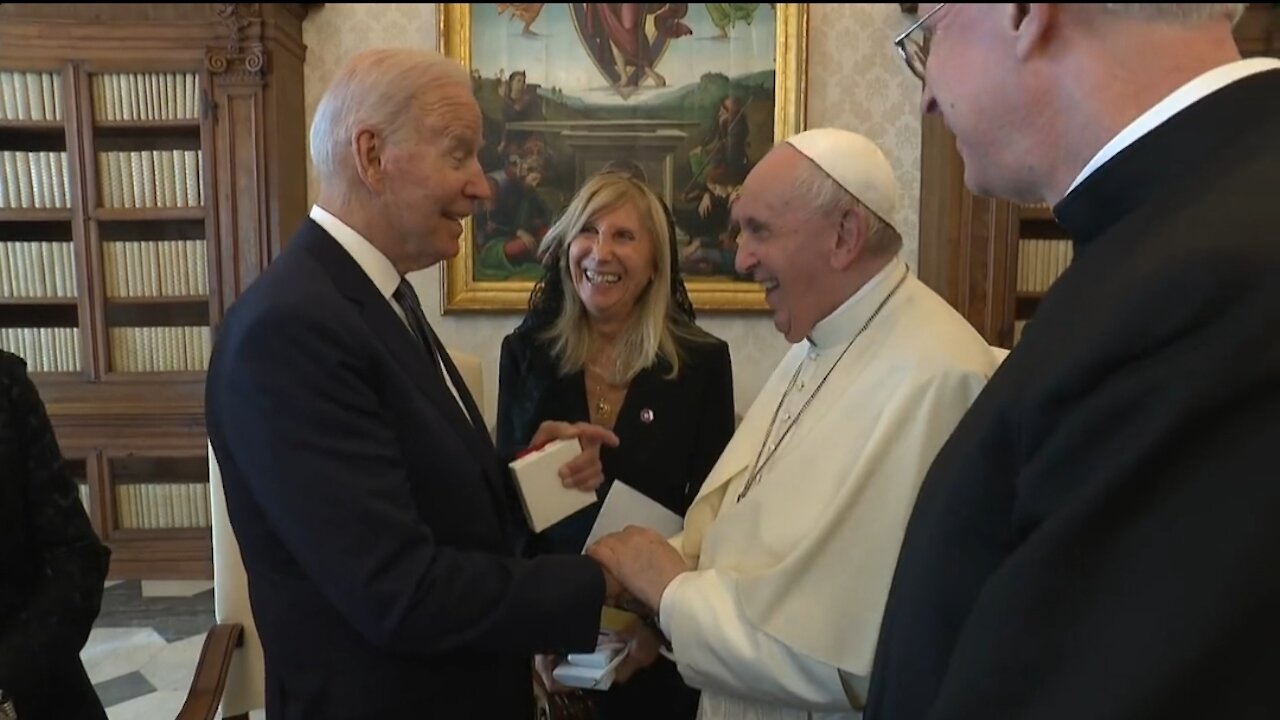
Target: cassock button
(646, 415)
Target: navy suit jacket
(373, 516)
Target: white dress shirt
(378, 268)
(1175, 102)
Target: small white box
(592, 675)
(545, 499)
(604, 654)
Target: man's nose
(477, 187)
(745, 260)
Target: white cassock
(791, 581)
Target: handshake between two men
(638, 562)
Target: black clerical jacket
(1100, 537)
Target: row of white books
(151, 179)
(160, 268)
(35, 180)
(160, 349)
(30, 95)
(37, 270)
(162, 506)
(45, 349)
(145, 96)
(1040, 262)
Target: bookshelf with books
(153, 163)
(994, 260)
(1042, 252)
(150, 222)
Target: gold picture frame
(712, 283)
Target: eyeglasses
(914, 52)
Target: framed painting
(691, 95)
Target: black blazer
(52, 565)
(1099, 537)
(666, 458)
(372, 515)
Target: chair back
(245, 689)
(472, 372)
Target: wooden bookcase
(991, 259)
(152, 163)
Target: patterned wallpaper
(856, 81)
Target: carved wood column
(236, 100)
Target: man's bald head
(388, 89)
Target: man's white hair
(389, 89)
(1178, 12)
(827, 197)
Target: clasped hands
(638, 563)
(638, 566)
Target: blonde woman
(610, 338)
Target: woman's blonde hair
(656, 324)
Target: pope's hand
(584, 472)
(642, 560)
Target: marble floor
(143, 649)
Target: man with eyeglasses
(1098, 539)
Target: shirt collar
(839, 327)
(369, 258)
(1177, 101)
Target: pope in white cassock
(772, 596)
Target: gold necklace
(603, 408)
(602, 405)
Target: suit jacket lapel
(412, 357)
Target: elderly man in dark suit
(377, 523)
(1098, 538)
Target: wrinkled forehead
(453, 113)
(769, 189)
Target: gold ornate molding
(243, 56)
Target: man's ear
(1032, 24)
(851, 239)
(367, 148)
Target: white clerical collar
(369, 258)
(1177, 101)
(838, 327)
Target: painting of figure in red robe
(685, 92)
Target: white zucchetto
(856, 163)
